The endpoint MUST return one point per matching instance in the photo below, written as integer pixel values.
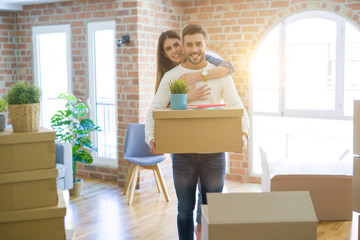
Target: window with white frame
(101, 50)
(52, 67)
(305, 77)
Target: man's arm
(161, 100)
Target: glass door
(101, 39)
(52, 67)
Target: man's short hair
(192, 29)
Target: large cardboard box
(26, 151)
(356, 169)
(36, 223)
(198, 131)
(329, 183)
(356, 185)
(331, 195)
(30, 189)
(356, 122)
(259, 216)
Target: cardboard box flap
(36, 213)
(28, 176)
(9, 137)
(166, 113)
(266, 207)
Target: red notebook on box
(206, 106)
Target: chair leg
(129, 178)
(162, 183)
(157, 181)
(133, 184)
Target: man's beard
(201, 58)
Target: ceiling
(17, 5)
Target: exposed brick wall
(127, 79)
(8, 64)
(146, 20)
(235, 29)
(92, 171)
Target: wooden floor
(102, 213)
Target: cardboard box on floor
(29, 189)
(356, 132)
(331, 194)
(356, 169)
(26, 151)
(36, 223)
(356, 185)
(329, 183)
(259, 216)
(198, 131)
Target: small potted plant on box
(3, 104)
(24, 107)
(71, 129)
(178, 98)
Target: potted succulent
(3, 104)
(24, 107)
(178, 98)
(71, 127)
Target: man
(187, 168)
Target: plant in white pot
(71, 127)
(24, 107)
(178, 98)
(3, 104)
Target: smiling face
(173, 50)
(194, 47)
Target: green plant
(21, 93)
(3, 104)
(71, 129)
(178, 87)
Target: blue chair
(138, 153)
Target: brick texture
(235, 29)
(8, 63)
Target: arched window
(305, 77)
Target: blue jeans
(198, 205)
(187, 169)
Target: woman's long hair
(163, 63)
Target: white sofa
(64, 180)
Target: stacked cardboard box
(30, 205)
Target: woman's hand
(152, 146)
(245, 142)
(192, 78)
(197, 93)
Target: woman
(170, 54)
